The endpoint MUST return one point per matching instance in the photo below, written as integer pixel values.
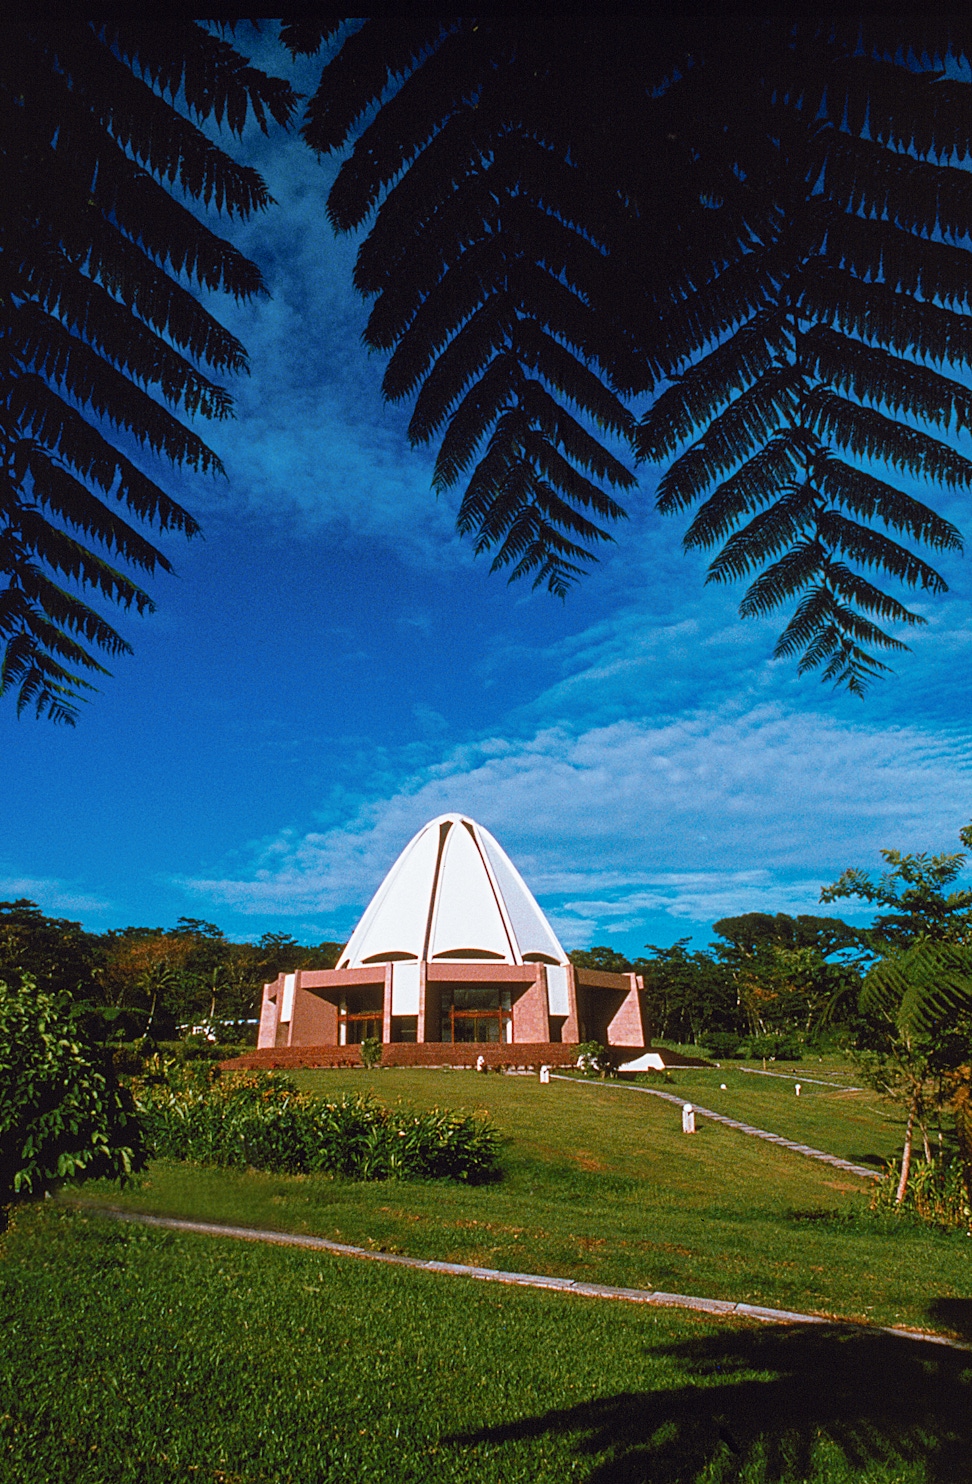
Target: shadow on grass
(954, 1314)
(774, 1405)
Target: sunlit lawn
(134, 1356)
(599, 1183)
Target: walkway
(744, 1128)
(720, 1307)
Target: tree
(102, 340)
(62, 1113)
(913, 895)
(789, 971)
(758, 222)
(921, 985)
(690, 995)
(58, 955)
(607, 960)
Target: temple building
(453, 948)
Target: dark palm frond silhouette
(104, 348)
(758, 223)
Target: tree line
(770, 984)
(138, 982)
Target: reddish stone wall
(404, 1054)
(314, 1020)
(531, 1023)
(629, 1024)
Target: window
(476, 1013)
(362, 1013)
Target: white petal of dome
(453, 893)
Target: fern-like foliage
(490, 262)
(800, 430)
(101, 339)
(922, 988)
(761, 223)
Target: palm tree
(105, 351)
(759, 224)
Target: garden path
(723, 1308)
(743, 1128)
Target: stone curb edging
(721, 1307)
(743, 1128)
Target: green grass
(600, 1184)
(134, 1356)
(857, 1126)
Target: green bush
(371, 1052)
(592, 1059)
(727, 1045)
(936, 1193)
(63, 1115)
(261, 1119)
(776, 1048)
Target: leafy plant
(920, 986)
(935, 1193)
(63, 1115)
(759, 223)
(371, 1051)
(261, 1119)
(592, 1059)
(105, 346)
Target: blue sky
(331, 667)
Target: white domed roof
(453, 894)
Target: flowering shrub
(261, 1119)
(592, 1059)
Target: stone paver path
(724, 1308)
(744, 1128)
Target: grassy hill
(133, 1354)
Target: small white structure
(652, 1061)
(688, 1119)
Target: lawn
(600, 1184)
(134, 1356)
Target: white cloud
(718, 812)
(50, 894)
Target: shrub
(371, 1052)
(592, 1059)
(776, 1048)
(936, 1193)
(725, 1044)
(63, 1115)
(728, 1045)
(261, 1119)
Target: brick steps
(532, 1054)
(524, 1054)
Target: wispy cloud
(51, 895)
(718, 812)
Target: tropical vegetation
(753, 229)
(138, 982)
(63, 1116)
(256, 1120)
(106, 352)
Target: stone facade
(511, 1005)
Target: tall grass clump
(935, 1193)
(260, 1119)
